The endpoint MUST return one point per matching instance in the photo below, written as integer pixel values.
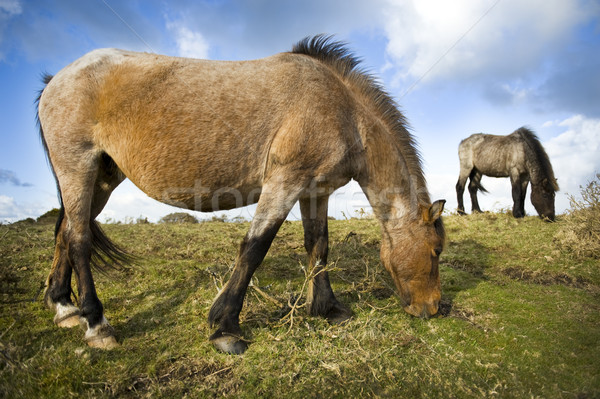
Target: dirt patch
(545, 278)
(382, 292)
(180, 371)
(474, 268)
(447, 309)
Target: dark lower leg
(473, 193)
(58, 284)
(523, 195)
(320, 298)
(90, 306)
(474, 184)
(227, 306)
(57, 295)
(518, 204)
(460, 189)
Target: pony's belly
(495, 174)
(204, 199)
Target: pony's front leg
(227, 306)
(274, 205)
(320, 299)
(518, 195)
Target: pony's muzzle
(423, 310)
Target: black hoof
(338, 314)
(228, 343)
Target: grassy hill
(520, 317)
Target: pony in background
(519, 156)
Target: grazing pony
(215, 135)
(521, 157)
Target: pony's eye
(437, 251)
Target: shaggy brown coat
(214, 135)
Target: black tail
(481, 188)
(46, 78)
(477, 182)
(105, 253)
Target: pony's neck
(392, 178)
(535, 174)
(537, 163)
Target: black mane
(336, 55)
(533, 142)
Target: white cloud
(12, 210)
(128, 202)
(8, 10)
(574, 154)
(10, 7)
(8, 209)
(189, 43)
(442, 186)
(480, 38)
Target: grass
(520, 317)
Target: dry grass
(580, 233)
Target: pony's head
(542, 198)
(411, 254)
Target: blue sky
(455, 68)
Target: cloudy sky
(455, 67)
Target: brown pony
(521, 157)
(214, 135)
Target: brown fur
(211, 135)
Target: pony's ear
(432, 212)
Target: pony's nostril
(434, 307)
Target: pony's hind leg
(320, 298)
(74, 247)
(474, 185)
(460, 190)
(57, 295)
(108, 178)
